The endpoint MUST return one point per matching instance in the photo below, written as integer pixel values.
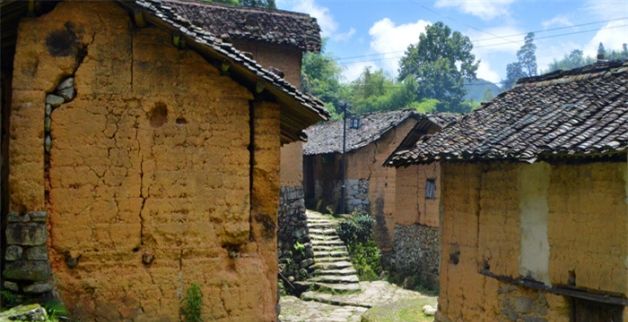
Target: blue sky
(375, 33)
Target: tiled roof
(273, 26)
(577, 113)
(203, 40)
(327, 137)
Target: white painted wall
(534, 182)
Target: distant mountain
(477, 88)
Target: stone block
(36, 271)
(37, 253)
(13, 252)
(40, 287)
(16, 217)
(11, 286)
(54, 100)
(38, 216)
(27, 234)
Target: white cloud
(391, 40)
(344, 36)
(558, 21)
(322, 14)
(606, 9)
(613, 35)
(485, 9)
(352, 71)
(486, 72)
(503, 39)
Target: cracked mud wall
(482, 227)
(149, 176)
(367, 163)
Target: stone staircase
(333, 271)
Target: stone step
(345, 270)
(327, 242)
(321, 225)
(332, 248)
(341, 253)
(332, 259)
(324, 237)
(336, 288)
(322, 232)
(335, 279)
(334, 265)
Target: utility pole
(343, 161)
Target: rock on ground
(294, 309)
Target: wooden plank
(589, 295)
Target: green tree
(601, 52)
(525, 66)
(440, 62)
(270, 4)
(488, 95)
(574, 59)
(527, 56)
(373, 92)
(320, 76)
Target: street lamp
(343, 162)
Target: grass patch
(401, 311)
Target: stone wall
(415, 258)
(488, 211)
(150, 182)
(292, 229)
(357, 197)
(27, 270)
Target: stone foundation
(358, 195)
(292, 229)
(27, 273)
(416, 255)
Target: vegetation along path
(335, 292)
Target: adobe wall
(136, 210)
(562, 224)
(285, 58)
(367, 163)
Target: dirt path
(324, 307)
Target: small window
(355, 123)
(430, 189)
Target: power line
(383, 58)
(499, 44)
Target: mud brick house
(370, 187)
(277, 40)
(415, 220)
(140, 155)
(534, 201)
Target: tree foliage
(439, 63)
(525, 66)
(577, 59)
(320, 76)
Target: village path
(322, 307)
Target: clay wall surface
(367, 163)
(285, 58)
(411, 205)
(148, 178)
(559, 224)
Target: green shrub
(192, 304)
(357, 229)
(56, 310)
(357, 233)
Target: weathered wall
(489, 211)
(292, 164)
(285, 58)
(148, 187)
(411, 206)
(368, 163)
(415, 256)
